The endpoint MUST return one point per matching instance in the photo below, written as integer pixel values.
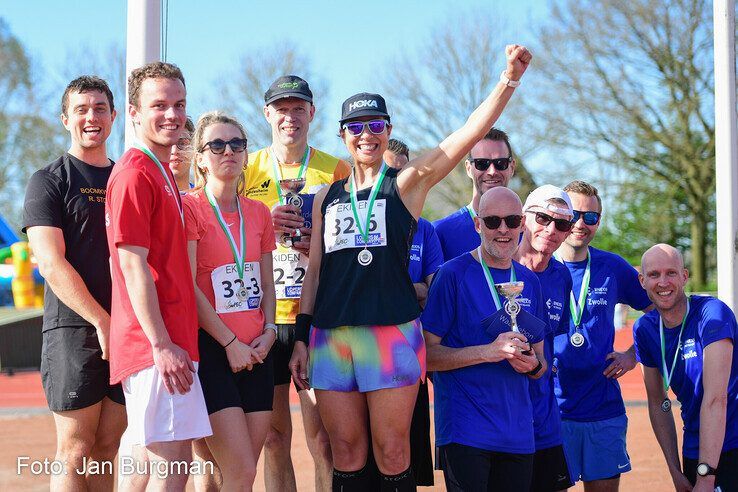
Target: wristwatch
(535, 369)
(510, 83)
(703, 470)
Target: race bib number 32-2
(340, 230)
(233, 294)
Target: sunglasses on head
(501, 163)
(184, 144)
(218, 146)
(356, 128)
(494, 221)
(590, 218)
(562, 225)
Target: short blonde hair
(206, 120)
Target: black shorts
(253, 390)
(421, 456)
(282, 352)
(727, 470)
(73, 373)
(550, 471)
(470, 469)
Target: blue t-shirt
(709, 320)
(555, 286)
(583, 392)
(425, 252)
(457, 234)
(486, 405)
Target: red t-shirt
(141, 210)
(213, 251)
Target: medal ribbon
(576, 308)
(668, 374)
(175, 193)
(471, 212)
(490, 280)
(239, 255)
(278, 172)
(364, 230)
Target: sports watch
(507, 81)
(703, 470)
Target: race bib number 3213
(340, 230)
(233, 294)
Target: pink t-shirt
(214, 251)
(141, 210)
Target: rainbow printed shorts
(366, 358)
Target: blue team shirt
(555, 286)
(487, 405)
(425, 252)
(457, 234)
(583, 392)
(709, 320)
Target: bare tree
(435, 88)
(632, 87)
(242, 92)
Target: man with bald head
(490, 164)
(483, 412)
(688, 344)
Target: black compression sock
(355, 481)
(402, 482)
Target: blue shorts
(596, 450)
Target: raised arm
(422, 173)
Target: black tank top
(380, 293)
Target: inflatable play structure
(20, 283)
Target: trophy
(511, 290)
(290, 189)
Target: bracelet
(535, 370)
(302, 327)
(507, 81)
(270, 326)
(233, 340)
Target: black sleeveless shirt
(380, 293)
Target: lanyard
(278, 173)
(490, 281)
(668, 374)
(239, 255)
(175, 193)
(471, 212)
(576, 307)
(364, 230)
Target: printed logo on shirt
(416, 252)
(593, 300)
(168, 190)
(524, 301)
(96, 195)
(689, 351)
(266, 183)
(107, 219)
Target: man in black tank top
(64, 217)
(367, 353)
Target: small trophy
(290, 189)
(511, 290)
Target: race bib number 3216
(340, 230)
(233, 294)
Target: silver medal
(365, 257)
(242, 294)
(577, 339)
(666, 405)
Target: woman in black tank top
(357, 282)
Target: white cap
(540, 198)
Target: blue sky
(346, 42)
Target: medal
(365, 257)
(175, 194)
(668, 374)
(297, 202)
(577, 339)
(242, 294)
(491, 282)
(239, 254)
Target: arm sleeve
(194, 227)
(267, 238)
(717, 323)
(432, 254)
(630, 291)
(44, 202)
(131, 197)
(440, 308)
(640, 340)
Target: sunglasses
(218, 146)
(562, 225)
(184, 144)
(500, 163)
(590, 218)
(494, 222)
(356, 128)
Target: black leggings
(468, 469)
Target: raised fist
(518, 59)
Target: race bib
(289, 272)
(233, 294)
(340, 230)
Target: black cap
(288, 86)
(363, 104)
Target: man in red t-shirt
(153, 332)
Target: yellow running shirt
(289, 264)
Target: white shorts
(156, 416)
